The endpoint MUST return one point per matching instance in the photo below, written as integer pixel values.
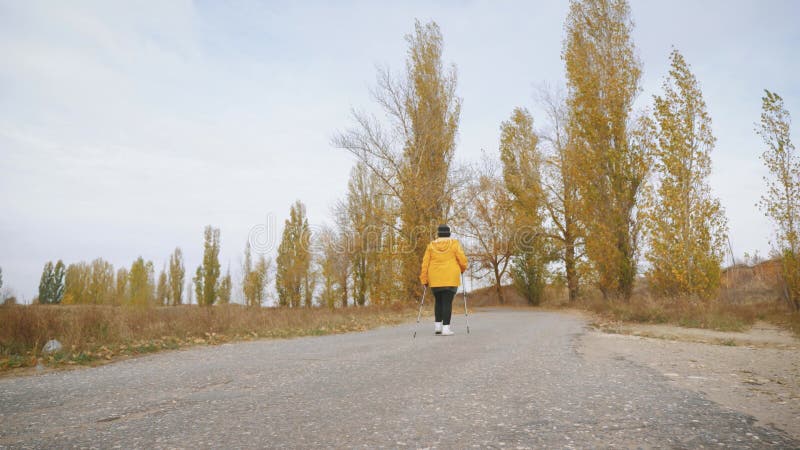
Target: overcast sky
(126, 127)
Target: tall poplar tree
(522, 174)
(293, 277)
(51, 285)
(176, 277)
(199, 285)
(255, 277)
(76, 283)
(101, 283)
(433, 112)
(162, 289)
(685, 225)
(522, 164)
(610, 162)
(121, 288)
(412, 153)
(334, 265)
(45, 297)
(141, 285)
(207, 274)
(189, 294)
(247, 269)
(225, 288)
(781, 203)
(365, 222)
(561, 199)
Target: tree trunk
(497, 287)
(572, 274)
(344, 292)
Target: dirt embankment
(755, 372)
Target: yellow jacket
(443, 263)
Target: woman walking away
(442, 266)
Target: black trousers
(444, 303)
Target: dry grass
(748, 294)
(678, 311)
(486, 296)
(90, 334)
(785, 318)
(736, 308)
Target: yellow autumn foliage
(685, 224)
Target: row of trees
(609, 184)
(582, 200)
(211, 287)
(584, 192)
(98, 283)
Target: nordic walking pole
(421, 302)
(464, 290)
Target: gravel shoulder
(755, 372)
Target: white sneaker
(446, 331)
(437, 328)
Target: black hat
(443, 231)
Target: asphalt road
(516, 381)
